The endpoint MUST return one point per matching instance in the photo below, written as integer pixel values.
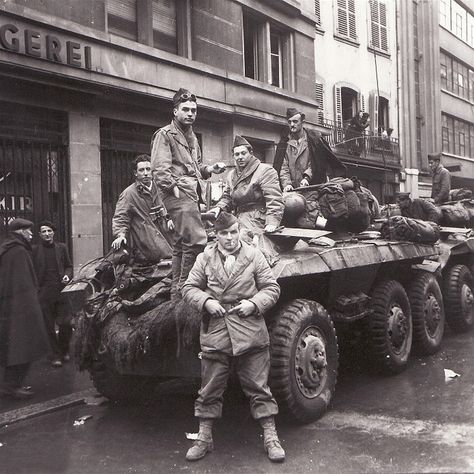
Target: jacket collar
(252, 165)
(179, 135)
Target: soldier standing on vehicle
(54, 271)
(179, 173)
(233, 286)
(417, 208)
(304, 157)
(140, 219)
(441, 179)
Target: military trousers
(252, 370)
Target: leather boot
(203, 443)
(270, 440)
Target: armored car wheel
(458, 294)
(390, 327)
(427, 311)
(120, 388)
(304, 359)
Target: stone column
(86, 192)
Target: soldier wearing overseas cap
(417, 208)
(178, 171)
(441, 179)
(23, 337)
(304, 157)
(233, 286)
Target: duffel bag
(332, 202)
(410, 230)
(455, 215)
(458, 194)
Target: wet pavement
(412, 422)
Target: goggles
(184, 98)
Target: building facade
(356, 70)
(85, 84)
(437, 90)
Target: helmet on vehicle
(295, 205)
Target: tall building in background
(84, 84)
(436, 42)
(356, 70)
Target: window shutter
(361, 102)
(320, 95)
(342, 25)
(352, 19)
(122, 18)
(374, 111)
(383, 27)
(123, 9)
(338, 113)
(317, 11)
(164, 25)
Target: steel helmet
(295, 205)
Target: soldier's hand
(304, 182)
(170, 225)
(288, 188)
(244, 309)
(176, 192)
(214, 308)
(270, 228)
(117, 243)
(219, 167)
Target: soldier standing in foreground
(233, 286)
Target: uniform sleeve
(121, 219)
(193, 288)
(268, 288)
(285, 176)
(161, 161)
(273, 196)
(445, 187)
(225, 201)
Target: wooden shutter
(383, 26)
(361, 100)
(342, 27)
(320, 95)
(338, 113)
(378, 32)
(374, 111)
(317, 11)
(351, 19)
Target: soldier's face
(143, 172)
(46, 233)
(242, 156)
(433, 165)
(185, 112)
(229, 238)
(295, 123)
(403, 202)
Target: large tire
(120, 388)
(458, 295)
(427, 312)
(302, 378)
(390, 327)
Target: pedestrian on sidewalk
(23, 337)
(233, 286)
(54, 271)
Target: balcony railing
(370, 147)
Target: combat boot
(270, 440)
(203, 443)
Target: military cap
(224, 221)
(291, 111)
(239, 141)
(19, 223)
(402, 194)
(434, 156)
(47, 223)
(183, 95)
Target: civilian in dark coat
(54, 271)
(23, 336)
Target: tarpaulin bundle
(459, 194)
(455, 215)
(332, 201)
(410, 230)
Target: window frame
(377, 10)
(346, 8)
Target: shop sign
(38, 44)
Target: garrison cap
(402, 194)
(291, 111)
(183, 95)
(434, 156)
(224, 221)
(19, 223)
(239, 141)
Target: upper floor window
(346, 19)
(457, 136)
(164, 25)
(122, 18)
(266, 51)
(445, 13)
(455, 18)
(456, 77)
(378, 38)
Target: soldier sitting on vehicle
(417, 208)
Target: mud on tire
(302, 378)
(458, 291)
(427, 311)
(390, 327)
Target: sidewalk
(49, 383)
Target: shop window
(346, 20)
(122, 18)
(378, 35)
(266, 51)
(164, 25)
